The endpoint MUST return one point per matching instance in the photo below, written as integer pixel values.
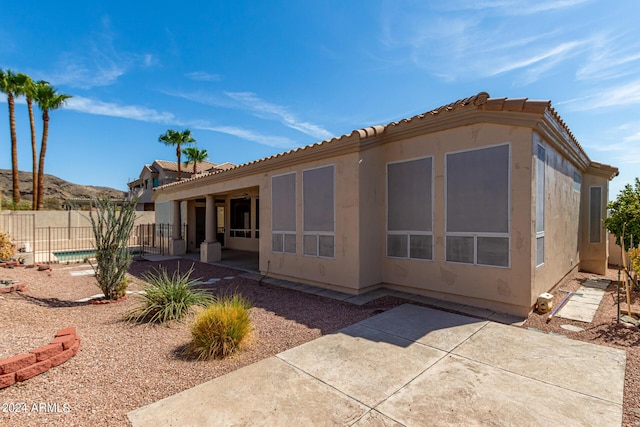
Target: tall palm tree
(29, 87)
(48, 99)
(177, 139)
(194, 155)
(11, 84)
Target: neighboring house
(162, 172)
(485, 201)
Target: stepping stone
(572, 328)
(229, 277)
(83, 273)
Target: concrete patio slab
(376, 419)
(411, 366)
(427, 326)
(356, 362)
(267, 393)
(584, 304)
(458, 391)
(569, 364)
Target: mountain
(55, 188)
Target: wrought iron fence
(77, 244)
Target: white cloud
(513, 7)
(249, 135)
(615, 96)
(203, 76)
(268, 110)
(133, 112)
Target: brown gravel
(603, 330)
(120, 366)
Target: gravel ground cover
(603, 330)
(121, 366)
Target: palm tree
(194, 155)
(29, 87)
(177, 138)
(48, 99)
(12, 84)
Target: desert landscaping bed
(120, 367)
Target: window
(240, 218)
(477, 206)
(283, 213)
(540, 203)
(257, 236)
(595, 214)
(577, 181)
(409, 209)
(318, 205)
(155, 182)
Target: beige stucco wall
(492, 287)
(360, 263)
(340, 273)
(562, 220)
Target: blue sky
(254, 78)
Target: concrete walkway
(583, 306)
(412, 366)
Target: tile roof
(481, 101)
(173, 166)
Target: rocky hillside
(55, 188)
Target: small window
(283, 213)
(240, 218)
(540, 203)
(595, 214)
(577, 182)
(477, 206)
(318, 205)
(409, 209)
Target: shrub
(111, 228)
(7, 249)
(221, 328)
(634, 256)
(167, 297)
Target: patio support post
(210, 249)
(178, 246)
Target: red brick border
(27, 365)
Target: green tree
(624, 215)
(178, 139)
(12, 85)
(112, 225)
(194, 155)
(48, 99)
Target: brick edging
(21, 367)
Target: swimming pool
(82, 254)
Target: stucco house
(162, 172)
(485, 201)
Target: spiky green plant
(168, 297)
(112, 224)
(221, 329)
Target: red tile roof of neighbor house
(481, 101)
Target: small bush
(168, 298)
(634, 255)
(7, 249)
(222, 328)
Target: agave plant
(168, 297)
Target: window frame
(408, 233)
(284, 233)
(591, 187)
(319, 234)
(476, 235)
(541, 234)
